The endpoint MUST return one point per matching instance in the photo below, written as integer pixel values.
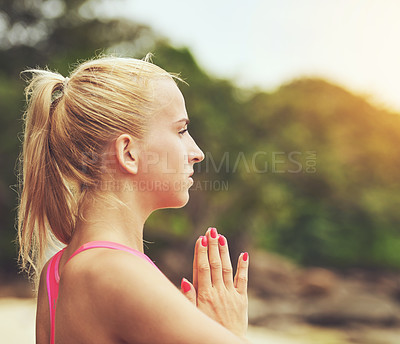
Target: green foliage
(342, 213)
(310, 170)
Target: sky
(265, 43)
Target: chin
(178, 201)
(182, 201)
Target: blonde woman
(102, 150)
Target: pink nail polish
(204, 241)
(221, 240)
(185, 286)
(245, 256)
(213, 233)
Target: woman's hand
(214, 290)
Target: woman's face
(169, 152)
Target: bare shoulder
(134, 302)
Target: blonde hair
(68, 123)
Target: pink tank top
(53, 278)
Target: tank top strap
(52, 282)
(111, 245)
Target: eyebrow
(183, 120)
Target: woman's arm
(140, 305)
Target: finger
(188, 290)
(195, 271)
(214, 257)
(203, 266)
(227, 273)
(241, 276)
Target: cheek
(163, 164)
(165, 156)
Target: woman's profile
(102, 150)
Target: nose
(196, 154)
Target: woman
(102, 150)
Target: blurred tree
(310, 170)
(53, 33)
(343, 212)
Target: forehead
(169, 104)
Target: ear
(126, 151)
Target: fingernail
(245, 256)
(213, 233)
(221, 240)
(204, 241)
(185, 286)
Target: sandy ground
(17, 326)
(17, 323)
(17, 319)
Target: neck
(110, 221)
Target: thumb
(188, 290)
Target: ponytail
(45, 200)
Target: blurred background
(296, 105)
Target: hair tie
(66, 79)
